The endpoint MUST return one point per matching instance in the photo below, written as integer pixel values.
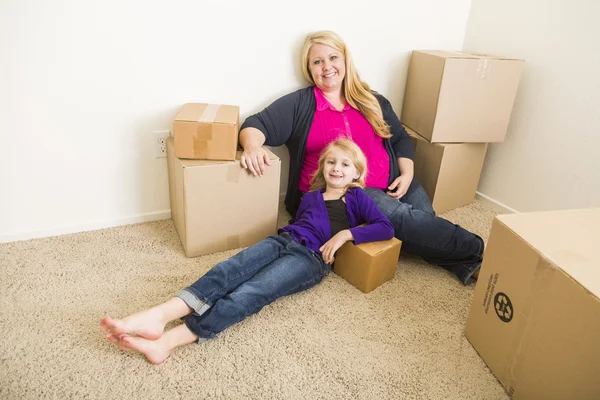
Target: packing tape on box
(483, 68)
(201, 138)
(210, 113)
(233, 242)
(544, 274)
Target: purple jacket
(312, 227)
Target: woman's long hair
(355, 155)
(357, 93)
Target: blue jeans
(435, 239)
(242, 285)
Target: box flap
(209, 113)
(566, 238)
(465, 55)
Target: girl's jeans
(242, 285)
(435, 239)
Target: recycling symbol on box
(503, 306)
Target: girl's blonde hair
(358, 93)
(355, 155)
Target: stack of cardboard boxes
(455, 103)
(216, 204)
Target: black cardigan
(288, 120)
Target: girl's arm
(378, 226)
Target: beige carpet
(402, 341)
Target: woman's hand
(255, 159)
(328, 249)
(399, 187)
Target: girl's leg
(149, 324)
(229, 274)
(298, 268)
(157, 351)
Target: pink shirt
(330, 124)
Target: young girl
(294, 260)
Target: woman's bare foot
(149, 324)
(157, 351)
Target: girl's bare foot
(157, 351)
(154, 350)
(149, 324)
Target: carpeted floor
(404, 340)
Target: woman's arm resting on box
(254, 157)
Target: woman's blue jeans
(242, 285)
(422, 233)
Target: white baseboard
(90, 226)
(503, 208)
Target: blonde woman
(295, 260)
(339, 104)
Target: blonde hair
(357, 93)
(355, 155)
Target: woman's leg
(149, 324)
(417, 197)
(435, 239)
(298, 268)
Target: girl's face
(326, 66)
(338, 169)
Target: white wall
(83, 83)
(551, 156)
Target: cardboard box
(449, 172)
(535, 317)
(367, 265)
(206, 131)
(455, 97)
(218, 205)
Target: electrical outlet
(159, 141)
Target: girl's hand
(255, 159)
(328, 249)
(399, 187)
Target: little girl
(295, 260)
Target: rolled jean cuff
(195, 303)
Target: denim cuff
(193, 302)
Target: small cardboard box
(455, 97)
(535, 316)
(449, 172)
(206, 132)
(218, 205)
(368, 265)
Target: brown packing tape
(233, 242)
(544, 273)
(233, 172)
(201, 138)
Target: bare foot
(155, 350)
(148, 324)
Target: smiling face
(326, 65)
(338, 169)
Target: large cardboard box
(206, 131)
(449, 172)
(535, 317)
(218, 205)
(367, 265)
(455, 97)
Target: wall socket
(159, 142)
